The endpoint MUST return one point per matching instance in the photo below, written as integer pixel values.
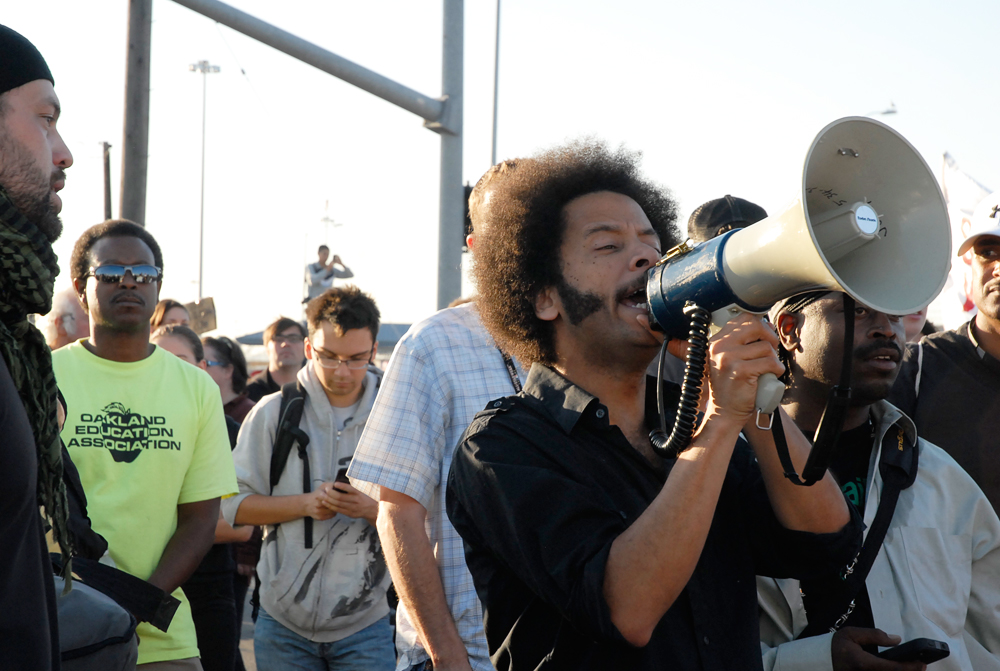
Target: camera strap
(898, 468)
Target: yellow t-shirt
(145, 437)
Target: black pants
(241, 584)
(213, 609)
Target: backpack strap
(293, 398)
(293, 401)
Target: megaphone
(870, 221)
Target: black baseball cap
(723, 214)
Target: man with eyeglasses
(283, 339)
(322, 573)
(146, 431)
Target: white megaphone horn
(870, 221)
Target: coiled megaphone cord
(694, 371)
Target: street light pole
(204, 68)
(496, 88)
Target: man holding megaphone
(589, 550)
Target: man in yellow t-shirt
(146, 431)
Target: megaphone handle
(769, 388)
(769, 392)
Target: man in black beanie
(32, 160)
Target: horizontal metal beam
(426, 107)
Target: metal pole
(452, 210)
(107, 180)
(201, 216)
(496, 88)
(204, 67)
(135, 143)
(424, 106)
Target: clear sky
(721, 97)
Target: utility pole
(496, 88)
(107, 180)
(204, 67)
(443, 115)
(135, 143)
(451, 208)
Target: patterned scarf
(28, 269)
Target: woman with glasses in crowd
(228, 367)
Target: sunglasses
(111, 274)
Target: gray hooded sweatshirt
(337, 587)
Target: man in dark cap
(708, 221)
(722, 215)
(32, 160)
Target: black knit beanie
(20, 61)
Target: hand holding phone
(924, 650)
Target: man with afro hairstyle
(588, 549)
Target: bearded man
(33, 158)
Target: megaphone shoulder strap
(830, 425)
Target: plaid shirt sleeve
(405, 434)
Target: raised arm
(818, 509)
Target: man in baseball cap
(722, 215)
(708, 221)
(32, 160)
(950, 381)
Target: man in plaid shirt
(443, 371)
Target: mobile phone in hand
(924, 650)
(342, 476)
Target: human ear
(788, 330)
(308, 348)
(80, 287)
(547, 304)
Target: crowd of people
(495, 498)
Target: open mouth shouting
(634, 297)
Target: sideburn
(579, 304)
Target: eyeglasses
(354, 363)
(113, 274)
(287, 339)
(212, 364)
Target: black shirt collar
(563, 400)
(567, 403)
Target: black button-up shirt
(539, 489)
